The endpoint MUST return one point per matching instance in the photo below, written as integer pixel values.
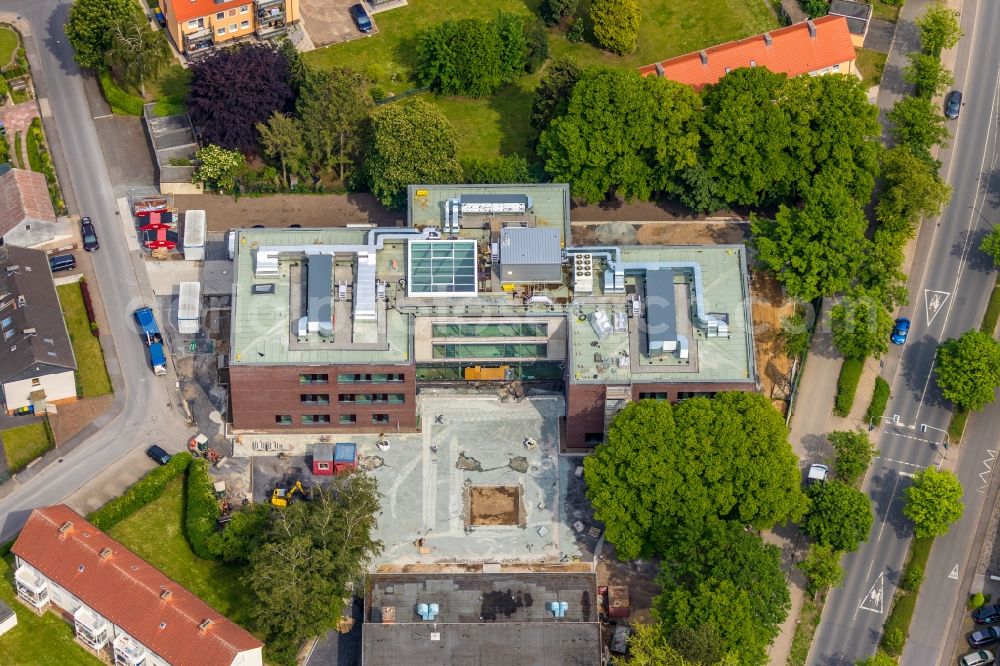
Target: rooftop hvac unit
(601, 324)
(583, 274)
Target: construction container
(189, 308)
(477, 373)
(194, 235)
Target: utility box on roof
(194, 235)
(530, 255)
(189, 308)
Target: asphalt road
(142, 411)
(949, 287)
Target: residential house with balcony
(197, 26)
(122, 608)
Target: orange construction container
(477, 373)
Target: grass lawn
(34, 155)
(17, 151)
(883, 10)
(155, 533)
(24, 443)
(169, 90)
(94, 380)
(804, 631)
(989, 324)
(499, 125)
(45, 640)
(871, 63)
(8, 45)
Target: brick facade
(276, 398)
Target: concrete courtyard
(467, 489)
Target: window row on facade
(490, 350)
(325, 419)
(491, 330)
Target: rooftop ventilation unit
(319, 283)
(768, 40)
(660, 72)
(558, 608)
(704, 57)
(428, 612)
(165, 594)
(583, 273)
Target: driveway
(879, 37)
(330, 22)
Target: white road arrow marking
(933, 302)
(954, 573)
(873, 600)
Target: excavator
(284, 496)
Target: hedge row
(880, 398)
(40, 160)
(847, 386)
(897, 627)
(88, 305)
(202, 509)
(141, 493)
(121, 102)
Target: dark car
(984, 636)
(158, 455)
(953, 104)
(89, 235)
(361, 18)
(989, 614)
(900, 331)
(62, 262)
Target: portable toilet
(322, 462)
(345, 457)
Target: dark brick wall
(259, 393)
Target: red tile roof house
(822, 46)
(119, 604)
(26, 214)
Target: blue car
(361, 18)
(900, 330)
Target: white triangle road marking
(933, 302)
(873, 600)
(954, 573)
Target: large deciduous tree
(911, 189)
(136, 53)
(89, 27)
(664, 469)
(839, 516)
(860, 325)
(968, 369)
(333, 106)
(927, 74)
(616, 24)
(411, 143)
(622, 133)
(310, 551)
(554, 11)
(814, 250)
(506, 169)
(933, 502)
(822, 568)
(234, 90)
(939, 29)
(283, 139)
(854, 453)
(747, 137)
(917, 123)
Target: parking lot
(467, 488)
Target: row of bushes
(88, 305)
(121, 102)
(880, 398)
(847, 385)
(897, 627)
(40, 160)
(201, 509)
(141, 493)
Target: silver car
(980, 658)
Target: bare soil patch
(75, 416)
(660, 233)
(769, 307)
(494, 505)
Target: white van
(231, 243)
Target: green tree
(911, 189)
(880, 275)
(822, 568)
(726, 458)
(217, 167)
(815, 8)
(89, 27)
(243, 534)
(880, 658)
(722, 605)
(616, 24)
(538, 46)
(861, 326)
(854, 454)
(310, 552)
(554, 11)
(699, 190)
(916, 122)
(333, 106)
(136, 53)
(412, 143)
(839, 516)
(506, 169)
(991, 245)
(622, 133)
(554, 90)
(815, 250)
(933, 502)
(927, 74)
(968, 369)
(747, 137)
(939, 29)
(512, 39)
(794, 335)
(282, 139)
(699, 645)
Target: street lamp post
(924, 427)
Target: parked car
(900, 331)
(989, 614)
(158, 455)
(984, 636)
(62, 262)
(361, 18)
(980, 658)
(817, 474)
(89, 235)
(953, 104)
